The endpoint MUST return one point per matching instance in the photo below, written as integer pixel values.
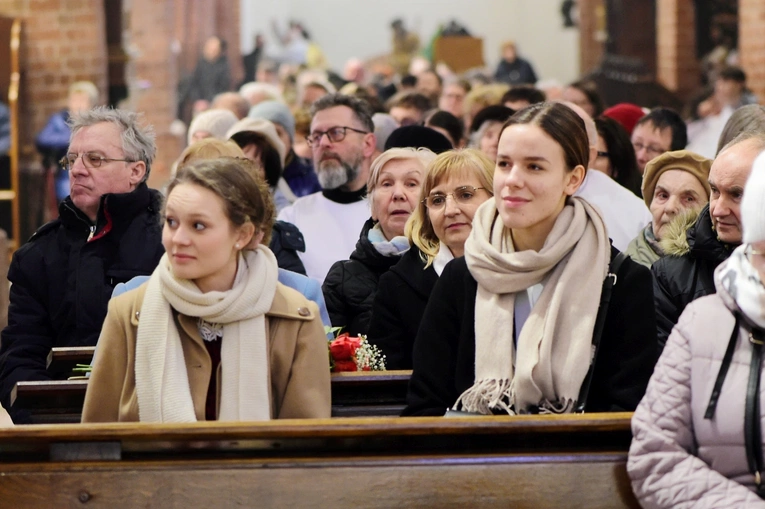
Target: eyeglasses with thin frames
(650, 149)
(463, 194)
(89, 159)
(335, 134)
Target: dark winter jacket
(299, 174)
(687, 272)
(399, 304)
(286, 241)
(63, 277)
(444, 351)
(517, 72)
(350, 286)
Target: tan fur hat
(685, 160)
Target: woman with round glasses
(697, 434)
(457, 182)
(510, 328)
(394, 188)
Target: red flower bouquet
(348, 353)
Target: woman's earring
(236, 245)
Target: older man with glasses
(342, 141)
(107, 232)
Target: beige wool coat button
(304, 312)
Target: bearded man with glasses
(107, 232)
(342, 141)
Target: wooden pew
(358, 394)
(529, 461)
(4, 285)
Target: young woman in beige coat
(212, 335)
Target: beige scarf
(555, 344)
(162, 381)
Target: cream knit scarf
(162, 382)
(555, 344)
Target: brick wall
(62, 42)
(677, 66)
(751, 23)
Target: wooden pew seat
(528, 461)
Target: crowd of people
(522, 250)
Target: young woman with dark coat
(509, 327)
(437, 233)
(394, 187)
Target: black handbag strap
(712, 406)
(752, 428)
(600, 322)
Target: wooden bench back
(528, 461)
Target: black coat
(444, 351)
(399, 304)
(286, 241)
(350, 286)
(63, 279)
(681, 277)
(516, 72)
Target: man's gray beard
(333, 174)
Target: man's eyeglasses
(89, 159)
(464, 194)
(335, 135)
(602, 154)
(650, 149)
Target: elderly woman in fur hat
(674, 183)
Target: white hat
(217, 122)
(753, 203)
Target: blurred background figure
(251, 60)
(453, 97)
(53, 141)
(616, 155)
(211, 76)
(232, 101)
(211, 124)
(521, 96)
(585, 95)
(405, 46)
(512, 69)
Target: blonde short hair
(87, 88)
(419, 229)
(485, 95)
(423, 155)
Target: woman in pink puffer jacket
(692, 445)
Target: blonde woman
(394, 188)
(457, 182)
